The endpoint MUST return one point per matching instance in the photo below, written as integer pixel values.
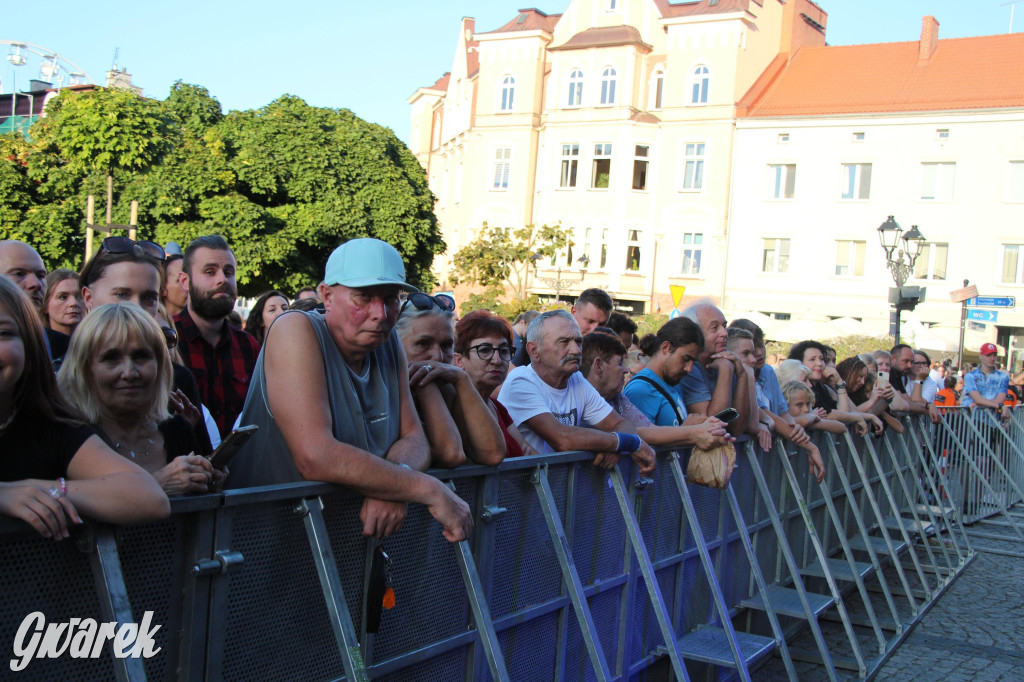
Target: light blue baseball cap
(360, 263)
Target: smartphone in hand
(230, 446)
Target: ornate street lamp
(556, 282)
(901, 258)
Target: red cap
(988, 349)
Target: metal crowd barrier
(573, 573)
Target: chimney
(929, 38)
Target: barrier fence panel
(573, 573)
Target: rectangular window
(693, 244)
(781, 180)
(602, 169)
(783, 138)
(633, 251)
(858, 137)
(850, 258)
(856, 181)
(1016, 181)
(502, 167)
(640, 161)
(693, 171)
(937, 181)
(931, 262)
(604, 249)
(1013, 268)
(942, 134)
(570, 165)
(774, 255)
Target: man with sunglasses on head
(21, 263)
(221, 356)
(331, 398)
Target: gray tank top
(365, 409)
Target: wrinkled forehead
(560, 327)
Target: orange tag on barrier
(389, 599)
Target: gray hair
(411, 313)
(692, 311)
(882, 354)
(792, 370)
(536, 328)
(867, 359)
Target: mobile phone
(883, 378)
(727, 415)
(230, 446)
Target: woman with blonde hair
(118, 372)
(52, 465)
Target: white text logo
(81, 638)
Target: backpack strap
(664, 394)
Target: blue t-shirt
(697, 385)
(651, 402)
(988, 386)
(768, 381)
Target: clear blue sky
(365, 56)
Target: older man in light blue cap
(330, 394)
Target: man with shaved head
(21, 264)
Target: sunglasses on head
(424, 301)
(171, 336)
(119, 244)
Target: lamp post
(556, 282)
(900, 260)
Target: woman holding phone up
(118, 372)
(52, 465)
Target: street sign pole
(963, 324)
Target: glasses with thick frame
(485, 351)
(120, 244)
(424, 301)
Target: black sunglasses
(119, 244)
(171, 336)
(424, 301)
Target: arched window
(701, 81)
(575, 88)
(608, 86)
(657, 88)
(508, 93)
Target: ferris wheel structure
(49, 66)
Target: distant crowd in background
(119, 383)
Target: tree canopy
(284, 184)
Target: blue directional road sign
(674, 314)
(982, 315)
(992, 302)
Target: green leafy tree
(501, 258)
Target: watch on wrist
(841, 386)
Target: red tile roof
(670, 9)
(535, 21)
(961, 73)
(604, 36)
(441, 83)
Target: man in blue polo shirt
(986, 386)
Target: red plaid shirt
(222, 373)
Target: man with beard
(221, 357)
(21, 264)
(556, 409)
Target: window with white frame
(502, 166)
(693, 246)
(1013, 264)
(601, 171)
(693, 167)
(604, 249)
(608, 78)
(937, 181)
(774, 255)
(781, 180)
(611, 5)
(1015, 189)
(575, 88)
(658, 88)
(508, 93)
(856, 181)
(633, 250)
(699, 86)
(640, 164)
(570, 165)
(931, 261)
(850, 258)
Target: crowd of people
(119, 381)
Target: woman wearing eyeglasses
(483, 349)
(455, 417)
(118, 373)
(123, 271)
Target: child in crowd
(801, 400)
(946, 396)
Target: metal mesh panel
(599, 531)
(705, 502)
(154, 568)
(345, 530)
(660, 513)
(446, 667)
(604, 609)
(55, 579)
(530, 648)
(697, 607)
(275, 603)
(526, 571)
(644, 630)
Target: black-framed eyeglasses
(922, 362)
(485, 351)
(171, 336)
(424, 301)
(121, 244)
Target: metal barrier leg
(650, 580)
(113, 598)
(570, 575)
(330, 582)
(928, 462)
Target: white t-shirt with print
(525, 395)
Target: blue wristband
(628, 443)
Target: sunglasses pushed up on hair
(424, 301)
(121, 244)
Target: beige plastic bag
(712, 468)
